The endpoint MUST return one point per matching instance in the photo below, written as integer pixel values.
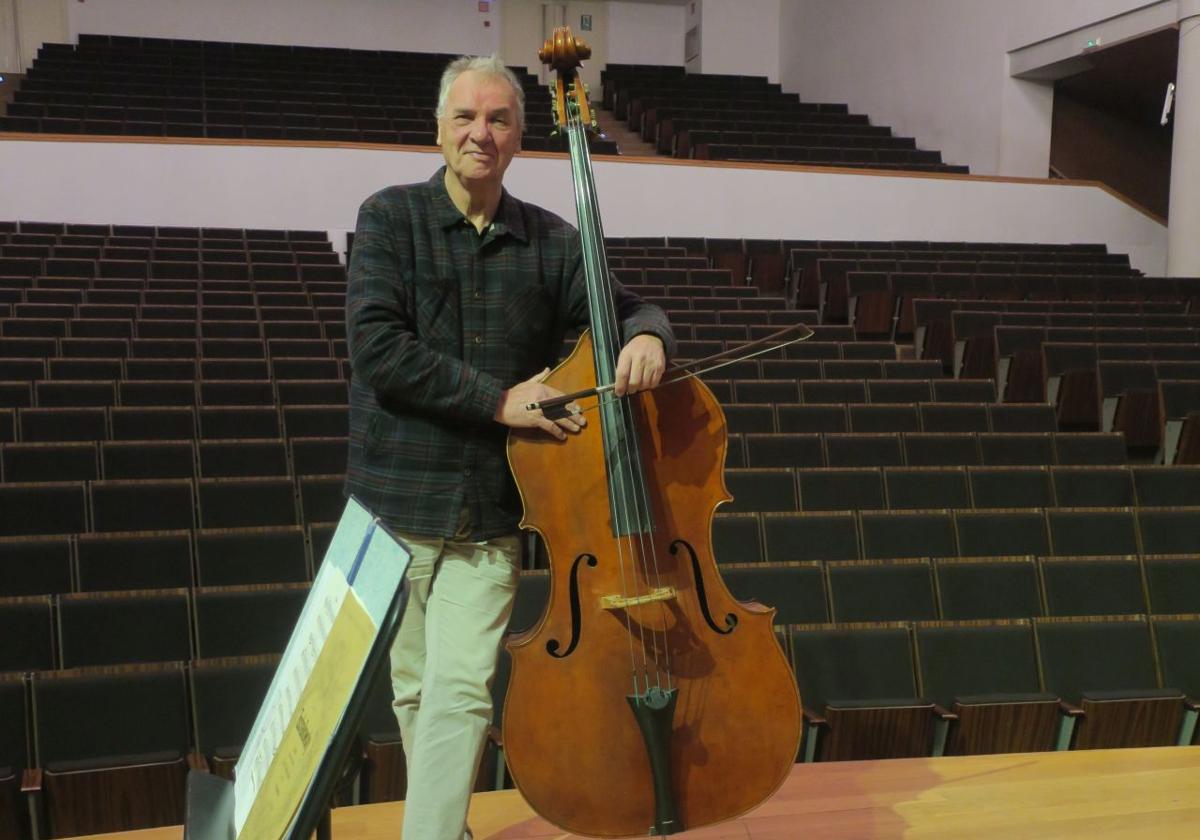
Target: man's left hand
(640, 365)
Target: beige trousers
(443, 660)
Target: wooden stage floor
(1142, 793)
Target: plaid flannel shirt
(440, 320)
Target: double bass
(647, 699)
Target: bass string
(632, 512)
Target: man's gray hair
(489, 65)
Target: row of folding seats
(109, 628)
(168, 504)
(879, 417)
(826, 381)
(893, 690)
(25, 347)
(123, 560)
(851, 156)
(290, 265)
(888, 534)
(969, 588)
(145, 325)
(149, 236)
(72, 393)
(281, 369)
(696, 138)
(205, 458)
(123, 733)
(163, 248)
(922, 488)
(172, 422)
(298, 294)
(209, 319)
(141, 321)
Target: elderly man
(459, 297)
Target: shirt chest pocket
(437, 309)
(528, 312)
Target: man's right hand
(514, 413)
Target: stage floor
(1143, 793)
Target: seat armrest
(943, 713)
(31, 780)
(1070, 710)
(1190, 704)
(198, 761)
(813, 719)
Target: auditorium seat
(977, 588)
(242, 458)
(322, 497)
(1176, 638)
(226, 694)
(872, 591)
(1103, 668)
(1169, 530)
(899, 534)
(1093, 486)
(840, 489)
(28, 643)
(860, 693)
(228, 557)
(147, 459)
(151, 505)
(318, 455)
(926, 488)
(42, 508)
(941, 449)
(134, 560)
(1092, 531)
(1172, 583)
(111, 748)
(863, 450)
(987, 675)
(1001, 533)
(795, 590)
(246, 620)
(14, 756)
(1011, 487)
(110, 628)
(760, 490)
(1083, 586)
(831, 535)
(35, 565)
(246, 502)
(737, 538)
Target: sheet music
(319, 669)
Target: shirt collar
(508, 218)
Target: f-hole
(701, 596)
(553, 645)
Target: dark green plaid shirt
(440, 319)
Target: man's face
(479, 133)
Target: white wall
(36, 22)
(645, 33)
(321, 188)
(449, 26)
(740, 37)
(936, 70)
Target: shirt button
(479, 339)
(467, 471)
(478, 293)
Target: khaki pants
(443, 660)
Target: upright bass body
(572, 740)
